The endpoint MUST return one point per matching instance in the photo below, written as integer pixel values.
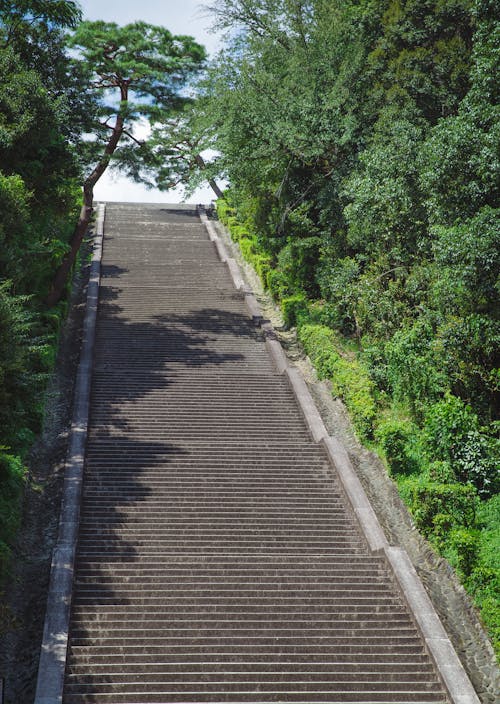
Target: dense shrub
(350, 380)
(439, 508)
(11, 483)
(412, 373)
(338, 284)
(395, 438)
(465, 544)
(453, 435)
(295, 309)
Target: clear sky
(180, 17)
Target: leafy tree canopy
(134, 72)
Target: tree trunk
(215, 188)
(211, 181)
(61, 275)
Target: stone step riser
(221, 697)
(228, 685)
(340, 677)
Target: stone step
(273, 564)
(234, 527)
(138, 571)
(220, 697)
(209, 632)
(200, 599)
(211, 611)
(346, 661)
(232, 647)
(228, 684)
(252, 674)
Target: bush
(297, 260)
(453, 435)
(484, 584)
(318, 342)
(465, 544)
(441, 472)
(467, 349)
(395, 438)
(468, 256)
(350, 381)
(248, 248)
(11, 487)
(438, 508)
(239, 233)
(294, 309)
(277, 284)
(262, 264)
(338, 284)
(412, 373)
(224, 210)
(484, 581)
(446, 424)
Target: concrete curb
(234, 269)
(355, 494)
(306, 404)
(274, 348)
(212, 230)
(52, 662)
(438, 644)
(253, 306)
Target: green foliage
(224, 210)
(248, 246)
(412, 373)
(319, 343)
(465, 544)
(277, 284)
(239, 232)
(396, 437)
(262, 264)
(438, 508)
(453, 435)
(385, 211)
(350, 380)
(11, 483)
(338, 282)
(17, 15)
(466, 348)
(489, 519)
(469, 254)
(176, 152)
(295, 309)
(296, 261)
(484, 579)
(134, 71)
(40, 122)
(14, 360)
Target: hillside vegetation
(38, 198)
(360, 142)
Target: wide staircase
(217, 561)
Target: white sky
(180, 17)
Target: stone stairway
(217, 561)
